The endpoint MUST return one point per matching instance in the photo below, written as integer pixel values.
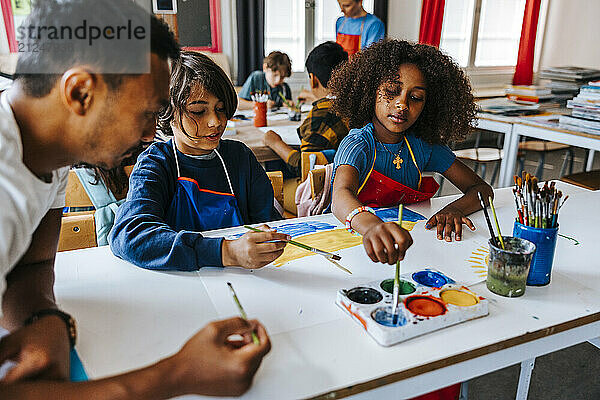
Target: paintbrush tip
(336, 257)
(229, 284)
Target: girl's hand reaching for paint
(447, 220)
(386, 242)
(254, 249)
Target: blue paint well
(430, 278)
(385, 317)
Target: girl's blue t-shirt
(372, 31)
(359, 148)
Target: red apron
(380, 191)
(350, 43)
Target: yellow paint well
(458, 298)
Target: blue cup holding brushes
(545, 243)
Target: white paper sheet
(288, 133)
(306, 287)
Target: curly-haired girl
(406, 102)
(196, 182)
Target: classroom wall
(572, 32)
(404, 18)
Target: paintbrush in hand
(397, 275)
(242, 312)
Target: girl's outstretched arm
(384, 242)
(451, 218)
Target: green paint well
(405, 287)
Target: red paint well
(425, 306)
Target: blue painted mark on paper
(299, 228)
(295, 229)
(391, 214)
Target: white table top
(129, 317)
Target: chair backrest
(76, 195)
(317, 181)
(77, 232)
(305, 164)
(276, 178)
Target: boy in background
(322, 129)
(276, 67)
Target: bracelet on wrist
(67, 319)
(353, 213)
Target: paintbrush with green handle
(242, 312)
(397, 275)
(325, 254)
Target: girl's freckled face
(399, 102)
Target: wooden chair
(317, 181)
(276, 178)
(77, 232)
(483, 156)
(542, 147)
(78, 229)
(307, 165)
(588, 179)
(76, 195)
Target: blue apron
(196, 209)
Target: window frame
(490, 76)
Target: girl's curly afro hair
(449, 111)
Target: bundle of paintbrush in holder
(260, 108)
(509, 259)
(537, 221)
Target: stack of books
(585, 114)
(566, 81)
(528, 94)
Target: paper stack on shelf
(530, 94)
(585, 109)
(566, 81)
(503, 106)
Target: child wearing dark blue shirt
(196, 182)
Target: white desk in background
(504, 125)
(553, 133)
(129, 317)
(252, 137)
(514, 128)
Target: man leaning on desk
(71, 106)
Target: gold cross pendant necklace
(398, 162)
(397, 159)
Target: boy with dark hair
(322, 129)
(276, 67)
(87, 101)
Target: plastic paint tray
(423, 307)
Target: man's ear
(78, 87)
(265, 67)
(314, 81)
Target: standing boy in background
(357, 29)
(276, 67)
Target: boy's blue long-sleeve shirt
(141, 235)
